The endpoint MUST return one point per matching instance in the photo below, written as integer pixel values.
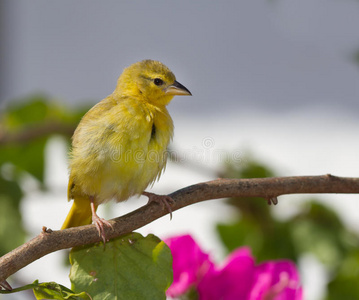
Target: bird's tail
(80, 213)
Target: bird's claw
(163, 200)
(100, 224)
(272, 200)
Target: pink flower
(233, 281)
(189, 264)
(277, 280)
(238, 278)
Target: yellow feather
(119, 147)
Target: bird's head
(151, 81)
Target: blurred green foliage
(25, 127)
(10, 217)
(315, 229)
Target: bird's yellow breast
(119, 148)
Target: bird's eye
(158, 81)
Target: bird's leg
(100, 223)
(164, 200)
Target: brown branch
(269, 188)
(36, 131)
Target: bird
(120, 145)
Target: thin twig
(269, 188)
(37, 131)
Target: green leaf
(129, 267)
(33, 111)
(267, 242)
(49, 290)
(37, 109)
(246, 168)
(318, 229)
(25, 128)
(345, 284)
(10, 217)
(53, 290)
(12, 233)
(29, 157)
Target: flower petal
(233, 281)
(277, 280)
(190, 263)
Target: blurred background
(275, 89)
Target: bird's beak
(178, 89)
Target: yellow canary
(119, 147)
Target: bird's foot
(163, 200)
(100, 223)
